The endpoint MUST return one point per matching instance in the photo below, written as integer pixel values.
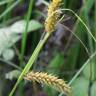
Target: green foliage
(8, 54)
(90, 74)
(14, 74)
(80, 87)
(93, 89)
(73, 57)
(56, 64)
(13, 32)
(50, 91)
(10, 35)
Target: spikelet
(49, 80)
(52, 16)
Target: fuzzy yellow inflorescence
(52, 16)
(50, 80)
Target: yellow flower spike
(49, 80)
(52, 16)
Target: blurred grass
(5, 1)
(9, 9)
(77, 55)
(6, 17)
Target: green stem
(30, 62)
(24, 37)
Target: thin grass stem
(89, 31)
(31, 61)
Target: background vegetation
(68, 49)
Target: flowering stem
(31, 61)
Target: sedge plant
(50, 23)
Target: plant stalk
(31, 61)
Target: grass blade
(9, 9)
(5, 1)
(24, 37)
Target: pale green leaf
(14, 74)
(19, 26)
(8, 54)
(80, 87)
